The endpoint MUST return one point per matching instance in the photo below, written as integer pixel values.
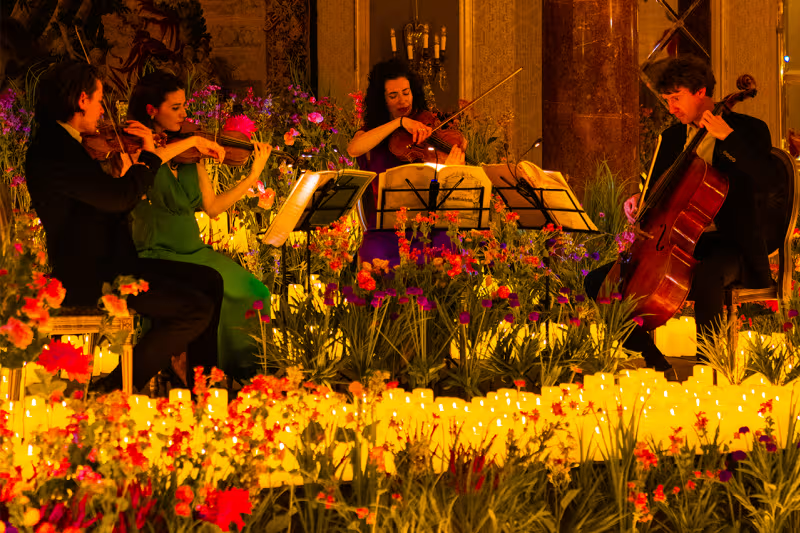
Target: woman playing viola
(164, 225)
(394, 97)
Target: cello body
(659, 271)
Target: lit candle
(425, 36)
(217, 403)
(394, 41)
(444, 37)
(436, 46)
(410, 52)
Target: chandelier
(429, 66)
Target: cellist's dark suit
(747, 225)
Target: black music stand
(331, 200)
(521, 197)
(415, 197)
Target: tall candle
(410, 52)
(436, 46)
(394, 41)
(425, 36)
(444, 37)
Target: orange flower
(183, 509)
(356, 388)
(266, 199)
(115, 306)
(53, 293)
(134, 288)
(184, 494)
(18, 333)
(288, 137)
(362, 512)
(35, 311)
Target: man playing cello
(733, 249)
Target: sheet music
(473, 192)
(558, 199)
(349, 186)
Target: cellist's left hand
(715, 125)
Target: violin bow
(103, 100)
(478, 99)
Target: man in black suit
(735, 248)
(84, 212)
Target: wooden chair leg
(16, 387)
(127, 367)
(733, 326)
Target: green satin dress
(166, 228)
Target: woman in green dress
(164, 224)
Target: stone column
(590, 85)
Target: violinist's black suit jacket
(752, 213)
(84, 212)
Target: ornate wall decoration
(287, 24)
(120, 36)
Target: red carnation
(64, 356)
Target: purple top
(383, 244)
(380, 160)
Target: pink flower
(18, 333)
(639, 320)
(64, 356)
(240, 123)
(315, 117)
(115, 306)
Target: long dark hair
(152, 89)
(376, 113)
(59, 90)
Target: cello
(682, 204)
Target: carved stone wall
(336, 52)
(508, 34)
(750, 46)
(260, 39)
(238, 38)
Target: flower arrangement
(27, 295)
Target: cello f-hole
(660, 246)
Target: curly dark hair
(60, 88)
(686, 71)
(375, 111)
(152, 89)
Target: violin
(237, 145)
(434, 149)
(105, 142)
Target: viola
(109, 140)
(434, 149)
(682, 204)
(238, 146)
